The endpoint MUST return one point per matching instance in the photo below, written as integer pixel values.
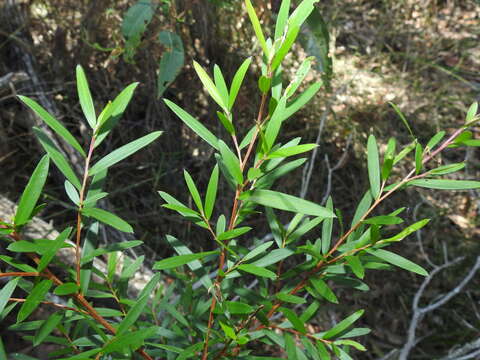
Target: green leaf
(91, 200)
(278, 200)
(53, 123)
(32, 192)
(193, 190)
(237, 81)
(7, 291)
(123, 152)
(292, 150)
(356, 266)
(397, 260)
(85, 97)
(404, 152)
(273, 257)
(66, 288)
(471, 113)
(294, 320)
(116, 110)
(133, 314)
(290, 38)
(176, 261)
(355, 344)
(275, 123)
(444, 184)
(226, 122)
(54, 246)
(327, 228)
(447, 169)
(407, 231)
(228, 331)
(108, 249)
(435, 140)
(324, 290)
(108, 218)
(17, 264)
(231, 234)
(300, 75)
(172, 61)
(264, 84)
(209, 85)
(402, 117)
(282, 18)
(220, 84)
(72, 192)
(231, 162)
(47, 327)
(373, 166)
(256, 270)
(343, 325)
(301, 100)
(131, 340)
(211, 194)
(193, 124)
(57, 157)
(388, 159)
(236, 307)
(286, 297)
(384, 220)
(256, 27)
(33, 299)
(290, 347)
(418, 158)
(257, 251)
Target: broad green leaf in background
(342, 325)
(53, 123)
(397, 260)
(32, 192)
(56, 245)
(445, 184)
(85, 97)
(47, 327)
(193, 190)
(256, 27)
(72, 193)
(172, 60)
(108, 218)
(33, 299)
(278, 200)
(123, 152)
(7, 291)
(117, 108)
(256, 270)
(180, 260)
(193, 124)
(135, 23)
(327, 228)
(373, 166)
(237, 81)
(57, 157)
(209, 85)
(211, 194)
(231, 162)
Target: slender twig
(51, 303)
(23, 274)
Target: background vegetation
(422, 55)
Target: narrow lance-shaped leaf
(123, 152)
(193, 124)
(327, 228)
(47, 327)
(418, 158)
(256, 270)
(324, 290)
(85, 97)
(209, 85)
(180, 260)
(32, 192)
(256, 27)
(237, 81)
(292, 150)
(231, 162)
(402, 117)
(407, 231)
(343, 325)
(6, 292)
(398, 260)
(211, 194)
(231, 234)
(193, 190)
(292, 34)
(445, 184)
(301, 100)
(108, 218)
(72, 193)
(172, 60)
(471, 113)
(33, 299)
(221, 84)
(56, 245)
(278, 200)
(282, 18)
(447, 169)
(53, 123)
(373, 166)
(435, 140)
(57, 157)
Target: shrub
(246, 297)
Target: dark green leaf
(327, 228)
(324, 290)
(397, 260)
(180, 260)
(52, 249)
(108, 218)
(373, 166)
(85, 97)
(226, 122)
(172, 60)
(447, 169)
(32, 192)
(47, 327)
(343, 325)
(256, 270)
(356, 266)
(7, 291)
(33, 299)
(72, 192)
(108, 249)
(286, 297)
(211, 194)
(231, 234)
(294, 320)
(231, 162)
(237, 81)
(257, 251)
(273, 257)
(418, 158)
(66, 288)
(193, 190)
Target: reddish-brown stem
(60, 306)
(80, 207)
(23, 274)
